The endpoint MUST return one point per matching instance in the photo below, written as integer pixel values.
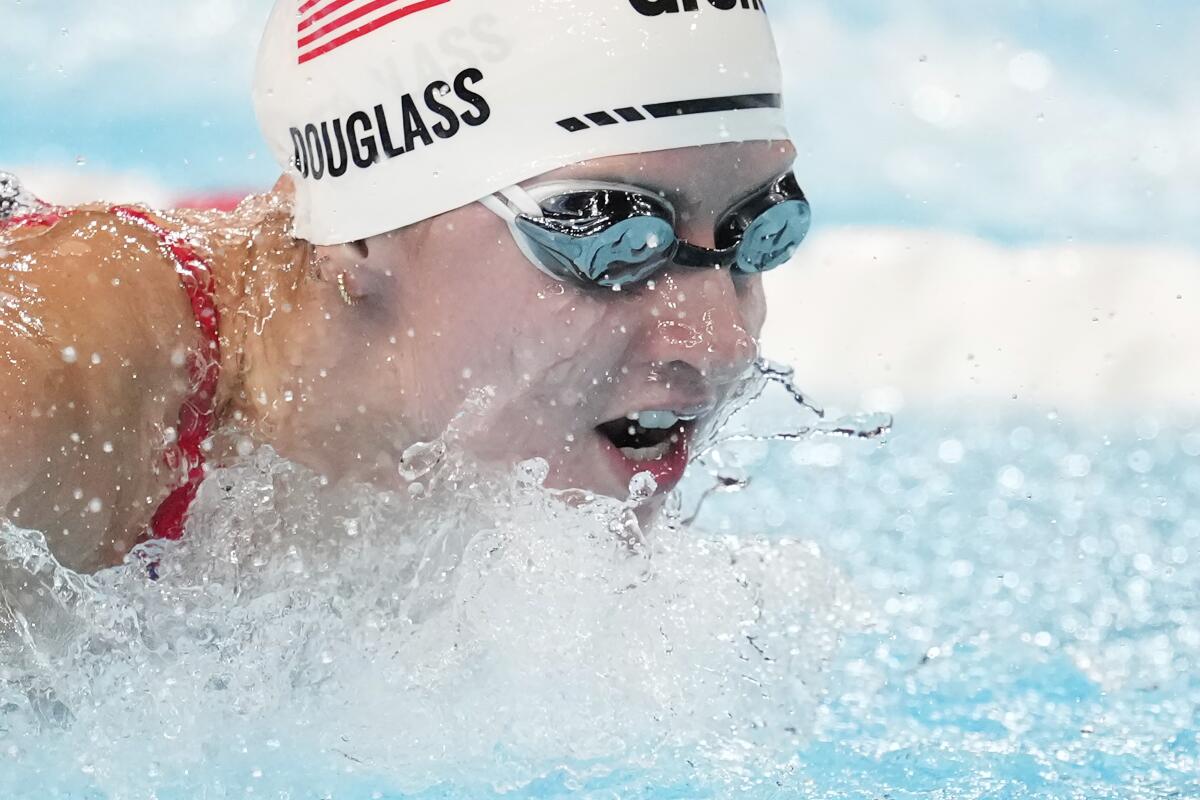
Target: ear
(351, 260)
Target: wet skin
(442, 308)
(451, 304)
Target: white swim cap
(388, 112)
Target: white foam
(487, 633)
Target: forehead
(706, 177)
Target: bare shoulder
(92, 278)
(92, 327)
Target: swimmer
(570, 202)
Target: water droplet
(420, 459)
(642, 487)
(533, 472)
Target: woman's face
(452, 305)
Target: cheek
(495, 320)
(752, 304)
(544, 335)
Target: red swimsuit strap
(197, 416)
(36, 219)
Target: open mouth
(646, 435)
(653, 441)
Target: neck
(261, 275)
(284, 366)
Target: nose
(700, 318)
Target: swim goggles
(612, 235)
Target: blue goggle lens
(774, 236)
(627, 252)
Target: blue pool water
(1039, 582)
(1026, 624)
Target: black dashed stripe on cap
(675, 108)
(708, 105)
(573, 124)
(602, 118)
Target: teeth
(656, 420)
(646, 453)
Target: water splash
(792, 417)
(769, 407)
(485, 634)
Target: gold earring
(343, 291)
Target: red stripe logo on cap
(326, 25)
